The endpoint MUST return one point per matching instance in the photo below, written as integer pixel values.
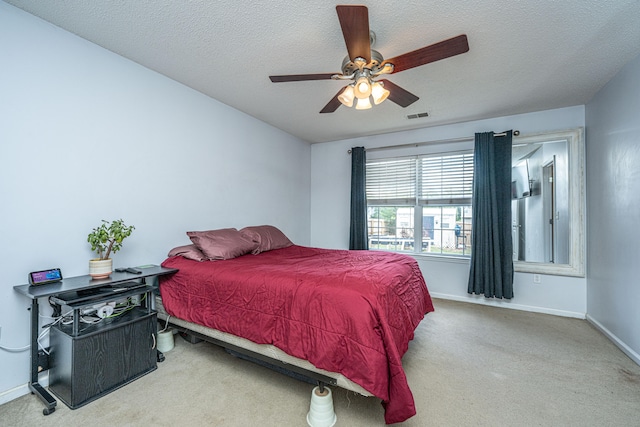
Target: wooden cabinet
(102, 357)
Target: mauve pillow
(189, 252)
(225, 243)
(267, 237)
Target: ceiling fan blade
(333, 104)
(354, 21)
(435, 52)
(301, 77)
(398, 95)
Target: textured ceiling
(524, 55)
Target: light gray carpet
(468, 365)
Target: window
(421, 204)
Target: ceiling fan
(363, 64)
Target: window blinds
(446, 180)
(426, 180)
(391, 182)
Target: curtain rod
(442, 141)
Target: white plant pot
(100, 268)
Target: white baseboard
(14, 393)
(507, 304)
(619, 343)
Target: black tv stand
(77, 293)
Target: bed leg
(321, 413)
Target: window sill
(431, 257)
(440, 258)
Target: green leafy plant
(107, 238)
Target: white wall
(87, 135)
(613, 208)
(446, 278)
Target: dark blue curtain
(358, 229)
(491, 271)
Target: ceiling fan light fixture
(379, 93)
(363, 104)
(362, 88)
(347, 96)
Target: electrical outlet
(536, 278)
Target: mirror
(547, 192)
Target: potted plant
(105, 240)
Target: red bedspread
(352, 312)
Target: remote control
(128, 270)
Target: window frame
(420, 200)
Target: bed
(346, 314)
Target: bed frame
(263, 354)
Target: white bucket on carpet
(165, 341)
(321, 412)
